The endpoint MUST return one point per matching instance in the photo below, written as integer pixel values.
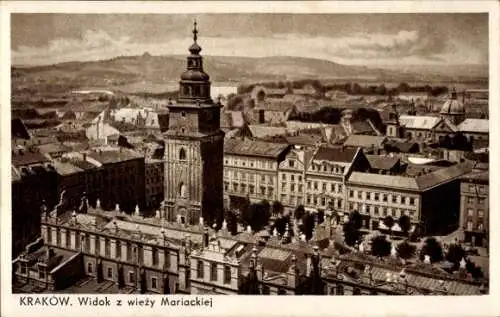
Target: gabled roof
(365, 141)
(335, 154)
(474, 125)
(254, 148)
(419, 122)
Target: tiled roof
(365, 141)
(419, 122)
(254, 148)
(114, 156)
(29, 158)
(474, 125)
(418, 183)
(390, 181)
(362, 127)
(65, 168)
(260, 131)
(382, 162)
(52, 148)
(335, 154)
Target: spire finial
(195, 31)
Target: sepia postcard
(304, 158)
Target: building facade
(474, 207)
(251, 169)
(194, 146)
(154, 182)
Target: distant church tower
(194, 146)
(453, 109)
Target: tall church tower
(194, 146)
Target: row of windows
(293, 187)
(395, 199)
(292, 200)
(470, 226)
(292, 177)
(200, 271)
(334, 187)
(248, 176)
(323, 201)
(471, 213)
(477, 189)
(251, 163)
(472, 200)
(131, 275)
(250, 189)
(328, 168)
(380, 211)
(133, 252)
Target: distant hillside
(157, 73)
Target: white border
(264, 305)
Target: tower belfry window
(182, 155)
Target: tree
(433, 249)
(380, 246)
(455, 254)
(389, 222)
(351, 234)
(356, 219)
(405, 250)
(299, 212)
(277, 208)
(405, 224)
(474, 270)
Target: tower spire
(195, 31)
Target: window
(480, 227)
(323, 201)
(58, 237)
(110, 272)
(252, 189)
(182, 154)
(376, 196)
(154, 255)
(283, 177)
(375, 210)
(107, 247)
(283, 186)
(68, 239)
(291, 163)
(480, 213)
(154, 283)
(262, 190)
(324, 187)
(351, 193)
(129, 251)
(360, 195)
(199, 269)
(309, 185)
(131, 277)
(339, 203)
(118, 250)
(166, 258)
(89, 267)
(49, 235)
(41, 273)
(470, 200)
(300, 188)
(394, 199)
(412, 201)
(140, 254)
(243, 188)
(226, 186)
(23, 268)
(227, 274)
(481, 201)
(292, 187)
(315, 185)
(183, 114)
(97, 245)
(213, 271)
(384, 197)
(470, 212)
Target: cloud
(358, 48)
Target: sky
(351, 39)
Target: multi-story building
(154, 182)
(474, 207)
(251, 169)
(116, 253)
(34, 180)
(378, 196)
(194, 145)
(292, 177)
(326, 176)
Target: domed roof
(194, 75)
(195, 49)
(453, 105)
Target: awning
(396, 227)
(381, 225)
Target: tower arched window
(182, 190)
(186, 90)
(182, 155)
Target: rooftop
(382, 162)
(365, 141)
(419, 122)
(254, 148)
(110, 156)
(335, 154)
(474, 125)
